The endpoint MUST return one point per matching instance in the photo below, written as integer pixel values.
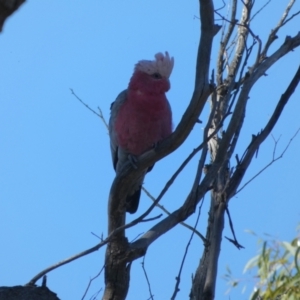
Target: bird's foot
(155, 145)
(133, 160)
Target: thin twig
(273, 35)
(134, 239)
(224, 4)
(94, 297)
(274, 159)
(291, 17)
(102, 117)
(91, 250)
(100, 114)
(147, 279)
(99, 237)
(255, 37)
(83, 103)
(168, 213)
(264, 6)
(241, 25)
(70, 259)
(151, 219)
(176, 289)
(234, 241)
(243, 164)
(90, 282)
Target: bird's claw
(133, 160)
(155, 145)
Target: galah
(141, 116)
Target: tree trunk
(203, 286)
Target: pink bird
(141, 116)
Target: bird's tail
(132, 201)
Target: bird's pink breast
(142, 121)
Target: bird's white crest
(163, 64)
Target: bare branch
(102, 117)
(233, 22)
(168, 213)
(100, 114)
(274, 159)
(291, 17)
(90, 250)
(83, 103)
(264, 6)
(234, 241)
(147, 279)
(254, 75)
(252, 148)
(176, 289)
(151, 219)
(225, 41)
(90, 282)
(273, 35)
(68, 260)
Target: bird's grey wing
(114, 110)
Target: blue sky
(55, 164)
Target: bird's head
(152, 76)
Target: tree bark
(26, 293)
(7, 7)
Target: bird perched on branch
(141, 116)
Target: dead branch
(147, 278)
(83, 103)
(90, 282)
(273, 35)
(176, 289)
(252, 148)
(274, 159)
(260, 10)
(100, 114)
(168, 213)
(234, 240)
(68, 260)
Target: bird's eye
(156, 75)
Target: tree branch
(176, 289)
(253, 146)
(273, 35)
(274, 159)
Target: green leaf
(252, 263)
(292, 249)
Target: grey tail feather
(132, 202)
(150, 168)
